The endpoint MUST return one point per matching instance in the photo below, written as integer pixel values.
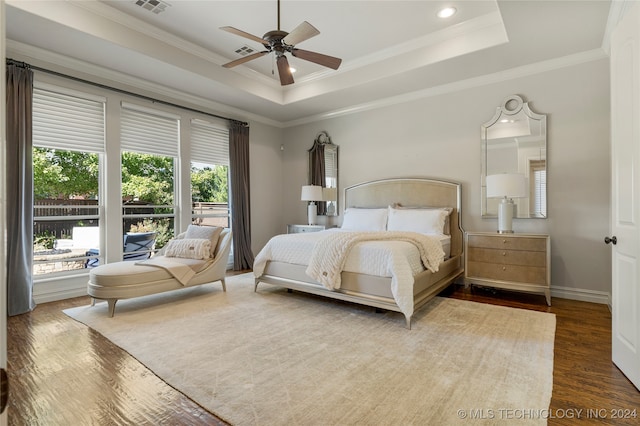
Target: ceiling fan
(281, 42)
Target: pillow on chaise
(188, 248)
(211, 233)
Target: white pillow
(189, 248)
(424, 221)
(447, 221)
(358, 219)
(211, 233)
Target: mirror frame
(512, 105)
(324, 140)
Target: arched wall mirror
(514, 142)
(323, 171)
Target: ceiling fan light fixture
(281, 42)
(447, 12)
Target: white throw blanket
(181, 272)
(329, 255)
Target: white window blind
(331, 168)
(209, 143)
(538, 182)
(148, 131)
(540, 196)
(67, 122)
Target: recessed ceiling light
(447, 12)
(292, 69)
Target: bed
(375, 289)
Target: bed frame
(373, 290)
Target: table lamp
(312, 193)
(506, 186)
(330, 195)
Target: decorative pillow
(211, 233)
(189, 248)
(358, 219)
(424, 221)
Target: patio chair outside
(137, 246)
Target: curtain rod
(103, 86)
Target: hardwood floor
(63, 373)
(587, 387)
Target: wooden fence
(60, 229)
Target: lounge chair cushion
(120, 274)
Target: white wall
(439, 137)
(267, 173)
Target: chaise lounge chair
(125, 279)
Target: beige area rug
(278, 358)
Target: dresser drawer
(508, 257)
(515, 273)
(510, 243)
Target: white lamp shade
(311, 193)
(510, 185)
(329, 194)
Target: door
(3, 226)
(625, 194)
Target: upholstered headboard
(411, 192)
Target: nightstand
(509, 261)
(296, 229)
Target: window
(149, 143)
(68, 143)
(209, 174)
(71, 184)
(538, 173)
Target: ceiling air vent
(155, 6)
(245, 50)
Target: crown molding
(510, 74)
(77, 68)
(114, 15)
(617, 11)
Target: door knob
(612, 240)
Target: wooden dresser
(510, 261)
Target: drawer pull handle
(504, 253)
(504, 268)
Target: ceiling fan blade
(301, 33)
(284, 71)
(318, 58)
(245, 59)
(241, 33)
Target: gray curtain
(317, 172)
(240, 196)
(19, 178)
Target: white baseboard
(60, 288)
(582, 295)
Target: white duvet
(399, 260)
